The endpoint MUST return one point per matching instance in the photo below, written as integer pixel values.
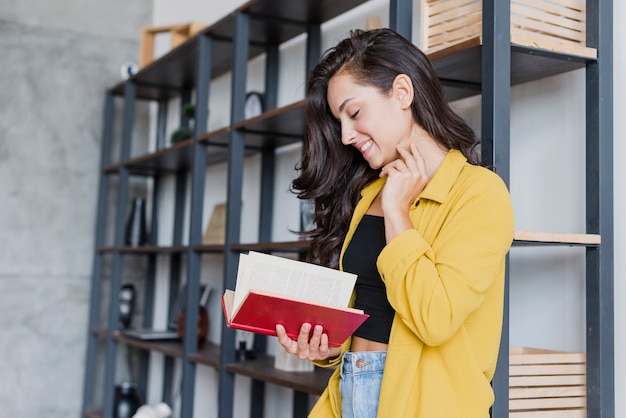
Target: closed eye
(354, 115)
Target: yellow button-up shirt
(445, 280)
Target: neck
(432, 152)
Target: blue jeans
(361, 376)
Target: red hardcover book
(260, 312)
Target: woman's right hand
(315, 348)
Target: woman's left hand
(314, 348)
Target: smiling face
(371, 121)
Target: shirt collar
(437, 188)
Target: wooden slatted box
(546, 384)
(556, 25)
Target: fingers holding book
(309, 345)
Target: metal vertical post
(233, 206)
(161, 124)
(194, 259)
(174, 270)
(495, 149)
(96, 283)
(268, 155)
(599, 212)
(130, 92)
(313, 47)
(266, 209)
(401, 17)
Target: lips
(364, 146)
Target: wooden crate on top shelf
(546, 383)
(179, 33)
(555, 25)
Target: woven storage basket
(556, 25)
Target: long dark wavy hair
(333, 174)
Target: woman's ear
(402, 89)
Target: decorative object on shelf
(373, 22)
(215, 232)
(556, 26)
(160, 410)
(203, 325)
(136, 230)
(244, 343)
(307, 215)
(204, 321)
(291, 363)
(126, 400)
(126, 304)
(184, 132)
(179, 34)
(254, 104)
(543, 382)
(128, 70)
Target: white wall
(547, 144)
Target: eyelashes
(354, 115)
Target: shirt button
(360, 363)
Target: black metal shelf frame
(248, 32)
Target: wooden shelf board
(521, 238)
(169, 348)
(275, 128)
(286, 246)
(528, 238)
(212, 248)
(262, 368)
(459, 67)
(145, 249)
(209, 355)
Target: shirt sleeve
(434, 286)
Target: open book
(274, 290)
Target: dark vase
(136, 231)
(203, 325)
(126, 400)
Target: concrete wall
(56, 60)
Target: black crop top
(371, 295)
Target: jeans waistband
(363, 362)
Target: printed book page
(292, 279)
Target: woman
(402, 202)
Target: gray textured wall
(56, 60)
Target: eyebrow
(345, 102)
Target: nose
(348, 134)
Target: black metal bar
(300, 404)
(194, 259)
(185, 99)
(161, 129)
(401, 17)
(266, 208)
(272, 66)
(96, 283)
(495, 150)
(233, 206)
(130, 92)
(174, 279)
(313, 47)
(599, 213)
(149, 289)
